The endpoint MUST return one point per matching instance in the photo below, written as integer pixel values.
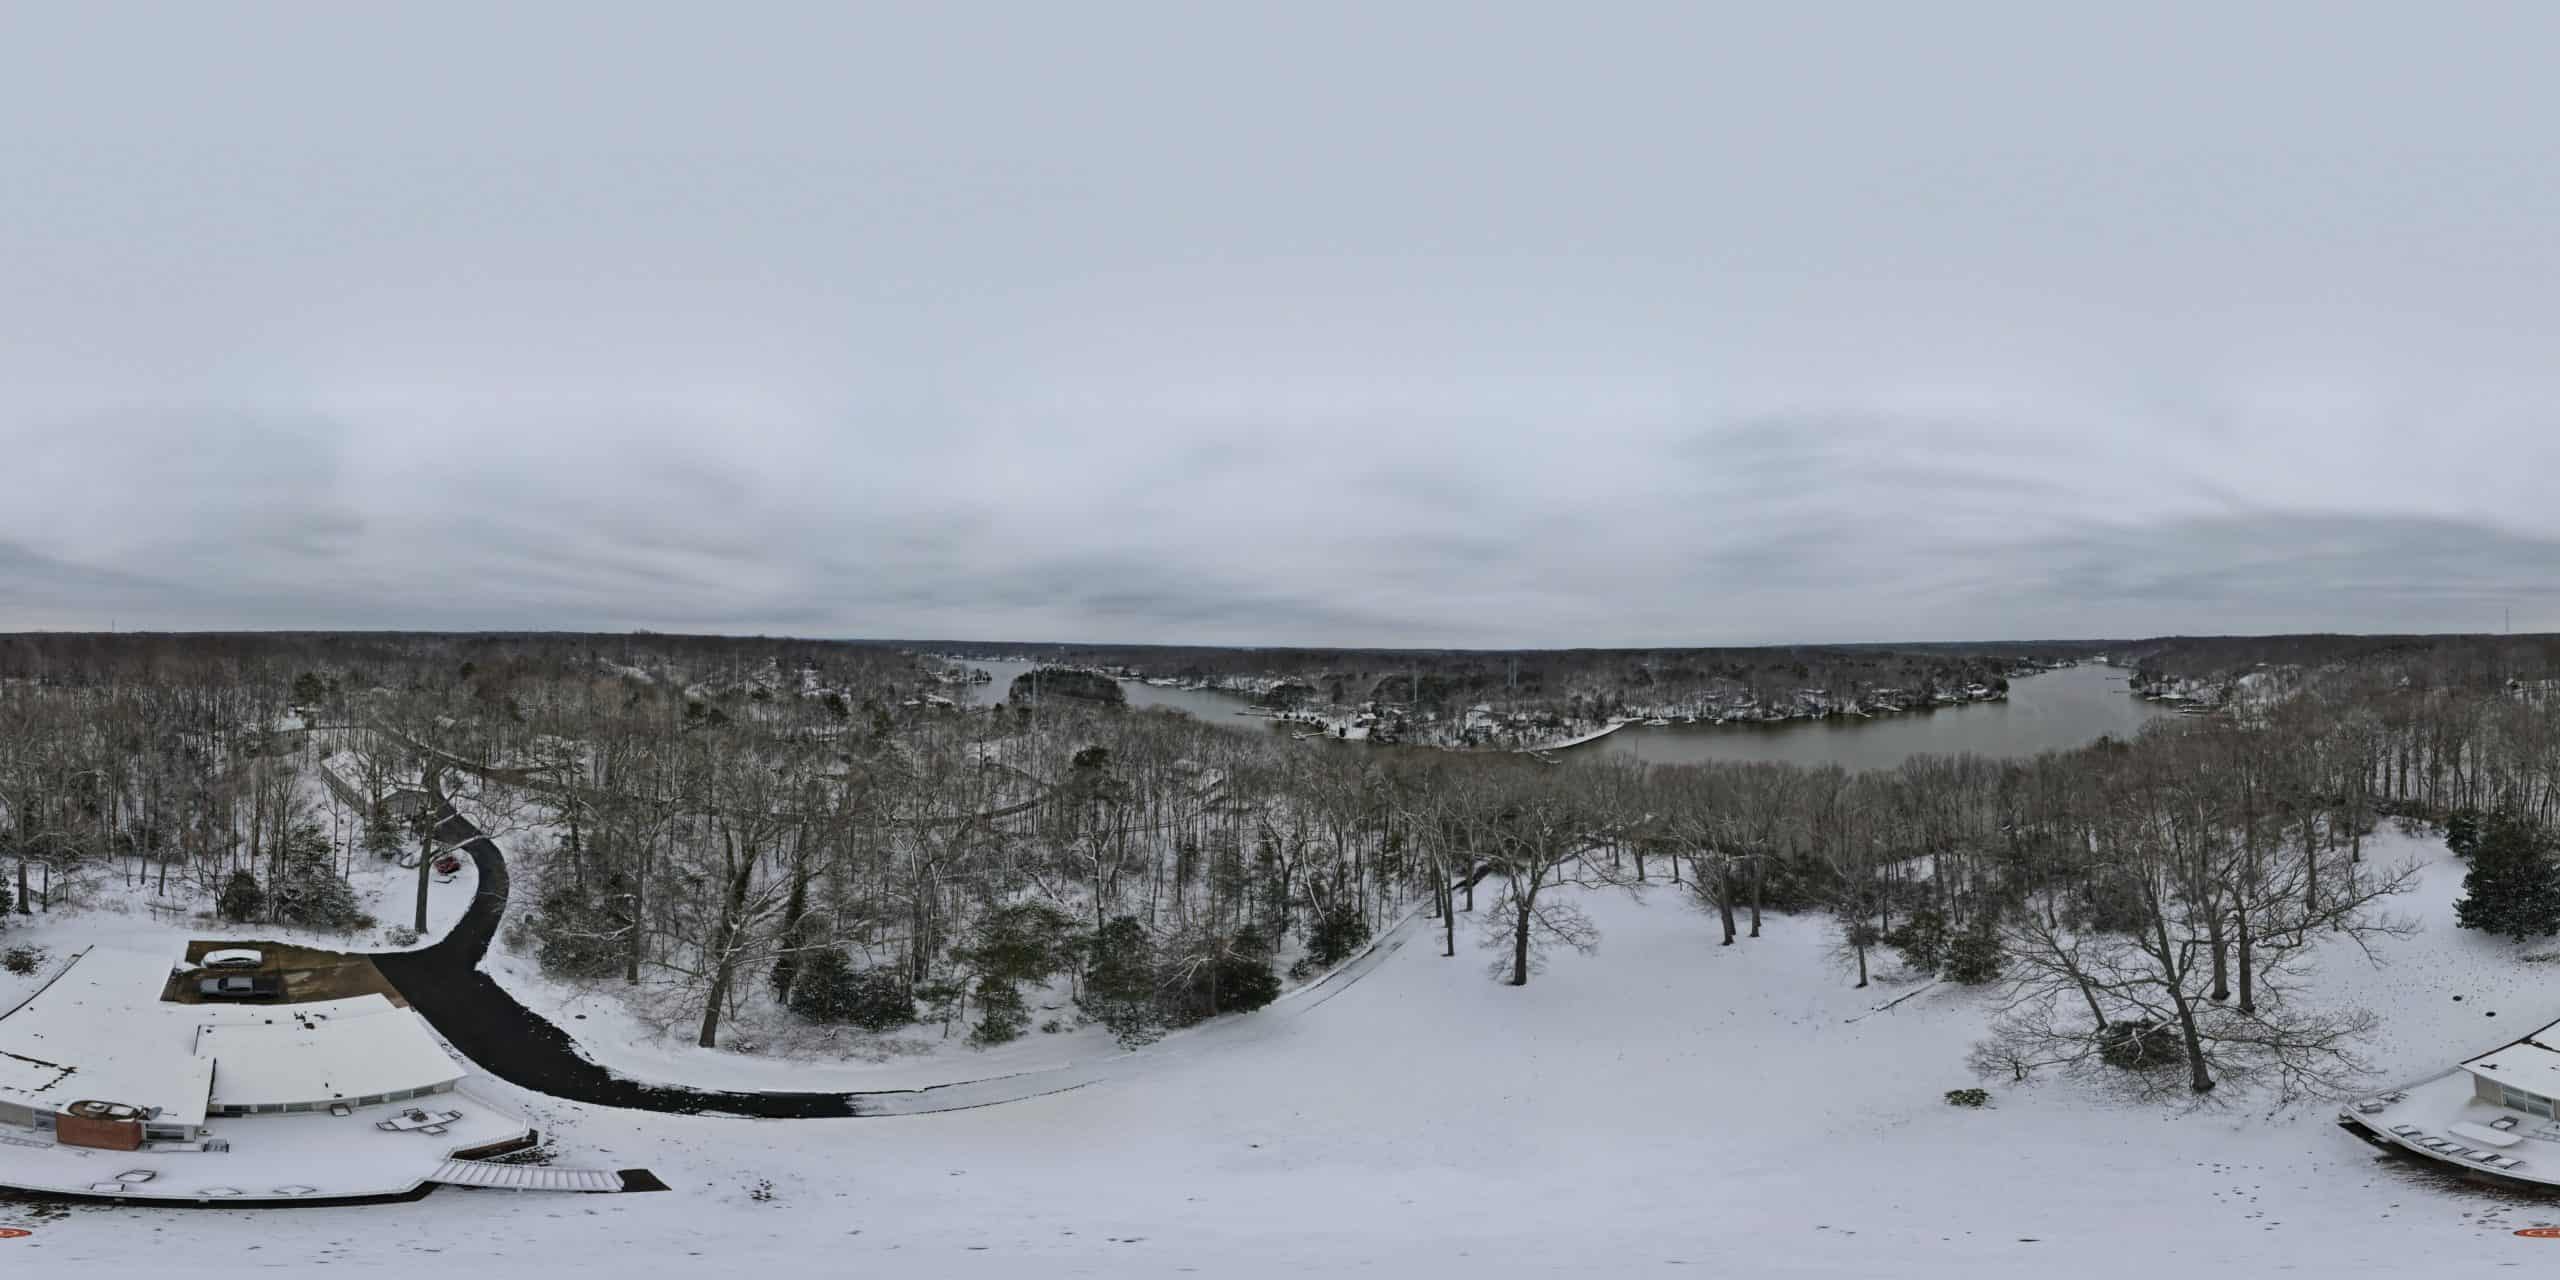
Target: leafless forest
(734, 821)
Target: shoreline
(1593, 736)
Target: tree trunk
(2198, 1079)
(732, 906)
(2221, 957)
(426, 845)
(2248, 967)
(1759, 876)
(1448, 921)
(1520, 945)
(1724, 910)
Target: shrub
(1213, 973)
(2140, 1044)
(22, 960)
(578, 933)
(1336, 936)
(1968, 1098)
(1974, 957)
(829, 989)
(1922, 940)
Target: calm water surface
(2051, 712)
(1217, 708)
(2054, 711)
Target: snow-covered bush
(829, 989)
(1922, 940)
(1974, 957)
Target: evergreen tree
(2462, 833)
(1336, 934)
(382, 835)
(2513, 886)
(308, 889)
(1002, 1015)
(1120, 983)
(241, 898)
(1016, 942)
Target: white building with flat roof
(96, 1058)
(294, 1060)
(246, 1104)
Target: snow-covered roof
(100, 1032)
(94, 1034)
(2529, 1064)
(344, 1049)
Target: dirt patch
(309, 974)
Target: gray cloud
(1429, 324)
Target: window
(2534, 1103)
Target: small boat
(1657, 720)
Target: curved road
(444, 983)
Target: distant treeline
(1066, 682)
(1449, 677)
(2472, 660)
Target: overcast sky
(1364, 324)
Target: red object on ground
(14, 1233)
(448, 864)
(2539, 1233)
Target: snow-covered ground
(1664, 1103)
(617, 1030)
(145, 922)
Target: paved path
(444, 983)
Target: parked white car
(234, 958)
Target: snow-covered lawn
(388, 892)
(1663, 1104)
